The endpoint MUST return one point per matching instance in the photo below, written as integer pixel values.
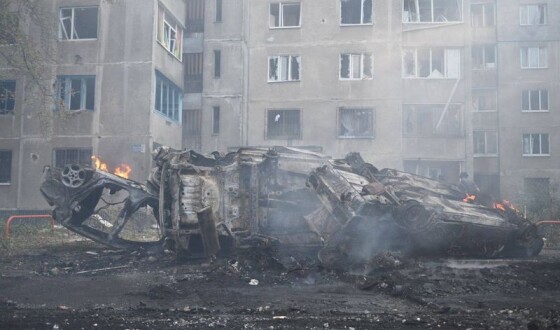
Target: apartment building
(433, 87)
(118, 76)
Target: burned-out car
(346, 209)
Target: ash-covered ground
(80, 285)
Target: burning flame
(123, 170)
(469, 198)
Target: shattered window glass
(78, 23)
(356, 66)
(77, 92)
(7, 96)
(356, 123)
(284, 68)
(169, 33)
(432, 11)
(433, 63)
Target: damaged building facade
(433, 87)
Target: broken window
(76, 92)
(534, 57)
(432, 11)
(285, 14)
(283, 124)
(170, 33)
(535, 144)
(356, 12)
(433, 120)
(484, 57)
(484, 100)
(193, 72)
(194, 22)
(215, 120)
(482, 15)
(5, 166)
(78, 23)
(7, 96)
(431, 63)
(534, 100)
(356, 66)
(169, 98)
(533, 14)
(9, 28)
(355, 123)
(80, 156)
(217, 63)
(283, 68)
(485, 143)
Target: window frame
(216, 120)
(10, 95)
(281, 5)
(173, 46)
(279, 68)
(524, 53)
(462, 19)
(219, 11)
(527, 6)
(61, 31)
(8, 173)
(217, 63)
(362, 2)
(68, 94)
(351, 57)
(284, 136)
(484, 64)
(485, 135)
(79, 150)
(529, 92)
(431, 49)
(531, 153)
(484, 16)
(371, 111)
(476, 108)
(170, 88)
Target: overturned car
(346, 210)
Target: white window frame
(526, 51)
(485, 135)
(281, 13)
(405, 19)
(484, 64)
(352, 57)
(445, 74)
(63, 34)
(170, 33)
(484, 9)
(476, 108)
(371, 110)
(531, 137)
(361, 14)
(527, 8)
(280, 68)
(529, 93)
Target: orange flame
(123, 171)
(469, 198)
(99, 164)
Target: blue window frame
(169, 98)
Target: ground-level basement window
(283, 124)
(77, 92)
(169, 98)
(7, 96)
(5, 166)
(536, 144)
(80, 156)
(355, 123)
(78, 23)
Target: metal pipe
(31, 216)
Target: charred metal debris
(346, 209)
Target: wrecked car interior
(344, 211)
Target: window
(216, 120)
(485, 143)
(9, 28)
(532, 14)
(218, 17)
(77, 23)
(432, 11)
(170, 33)
(217, 63)
(283, 68)
(482, 15)
(191, 123)
(5, 166)
(355, 123)
(484, 57)
(81, 156)
(7, 96)
(484, 100)
(193, 72)
(432, 63)
(284, 14)
(356, 12)
(433, 120)
(534, 100)
(76, 92)
(283, 124)
(356, 66)
(534, 57)
(535, 145)
(194, 20)
(169, 98)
